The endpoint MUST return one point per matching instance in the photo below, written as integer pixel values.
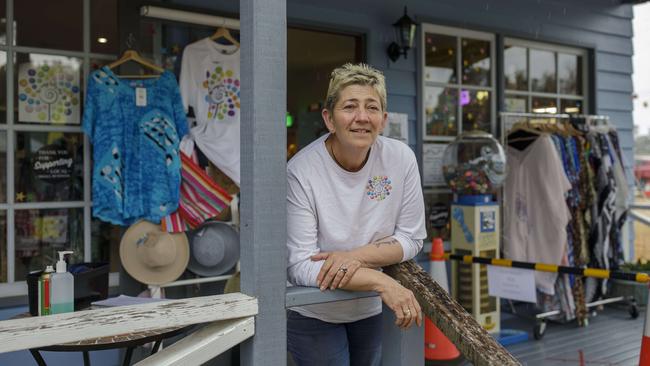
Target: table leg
(37, 356)
(86, 358)
(127, 356)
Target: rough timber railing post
(263, 175)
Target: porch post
(401, 347)
(263, 175)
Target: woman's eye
(348, 107)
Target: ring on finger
(343, 269)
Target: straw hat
(214, 249)
(152, 256)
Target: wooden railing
(230, 318)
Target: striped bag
(200, 198)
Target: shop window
(104, 29)
(452, 104)
(570, 73)
(48, 89)
(48, 167)
(99, 63)
(515, 70)
(440, 111)
(440, 58)
(516, 103)
(476, 109)
(477, 62)
(49, 24)
(48, 203)
(571, 106)
(542, 71)
(3, 247)
(3, 167)
(544, 105)
(3, 23)
(105, 243)
(3, 89)
(40, 234)
(544, 78)
(437, 208)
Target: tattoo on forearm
(386, 241)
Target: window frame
(556, 49)
(17, 287)
(458, 33)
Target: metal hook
(130, 41)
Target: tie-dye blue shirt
(136, 172)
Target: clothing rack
(507, 121)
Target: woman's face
(357, 117)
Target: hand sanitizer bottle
(62, 292)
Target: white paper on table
(512, 283)
(123, 300)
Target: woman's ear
(327, 118)
(383, 123)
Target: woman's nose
(363, 115)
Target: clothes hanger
(572, 131)
(522, 135)
(132, 55)
(223, 32)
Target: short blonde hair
(355, 74)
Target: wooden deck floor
(612, 338)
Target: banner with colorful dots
(48, 93)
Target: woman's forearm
(367, 279)
(380, 253)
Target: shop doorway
(311, 56)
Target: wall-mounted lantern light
(405, 34)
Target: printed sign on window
(48, 93)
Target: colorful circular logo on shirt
(378, 187)
(223, 93)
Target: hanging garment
(201, 198)
(535, 209)
(209, 84)
(135, 127)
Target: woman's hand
(338, 269)
(402, 302)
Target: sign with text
(52, 163)
(512, 283)
(432, 164)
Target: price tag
(141, 97)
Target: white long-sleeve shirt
(331, 209)
(535, 208)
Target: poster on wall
(48, 93)
(34, 229)
(397, 127)
(432, 164)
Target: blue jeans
(313, 342)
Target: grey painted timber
(263, 175)
(612, 338)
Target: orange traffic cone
(644, 360)
(436, 345)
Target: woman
(354, 204)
